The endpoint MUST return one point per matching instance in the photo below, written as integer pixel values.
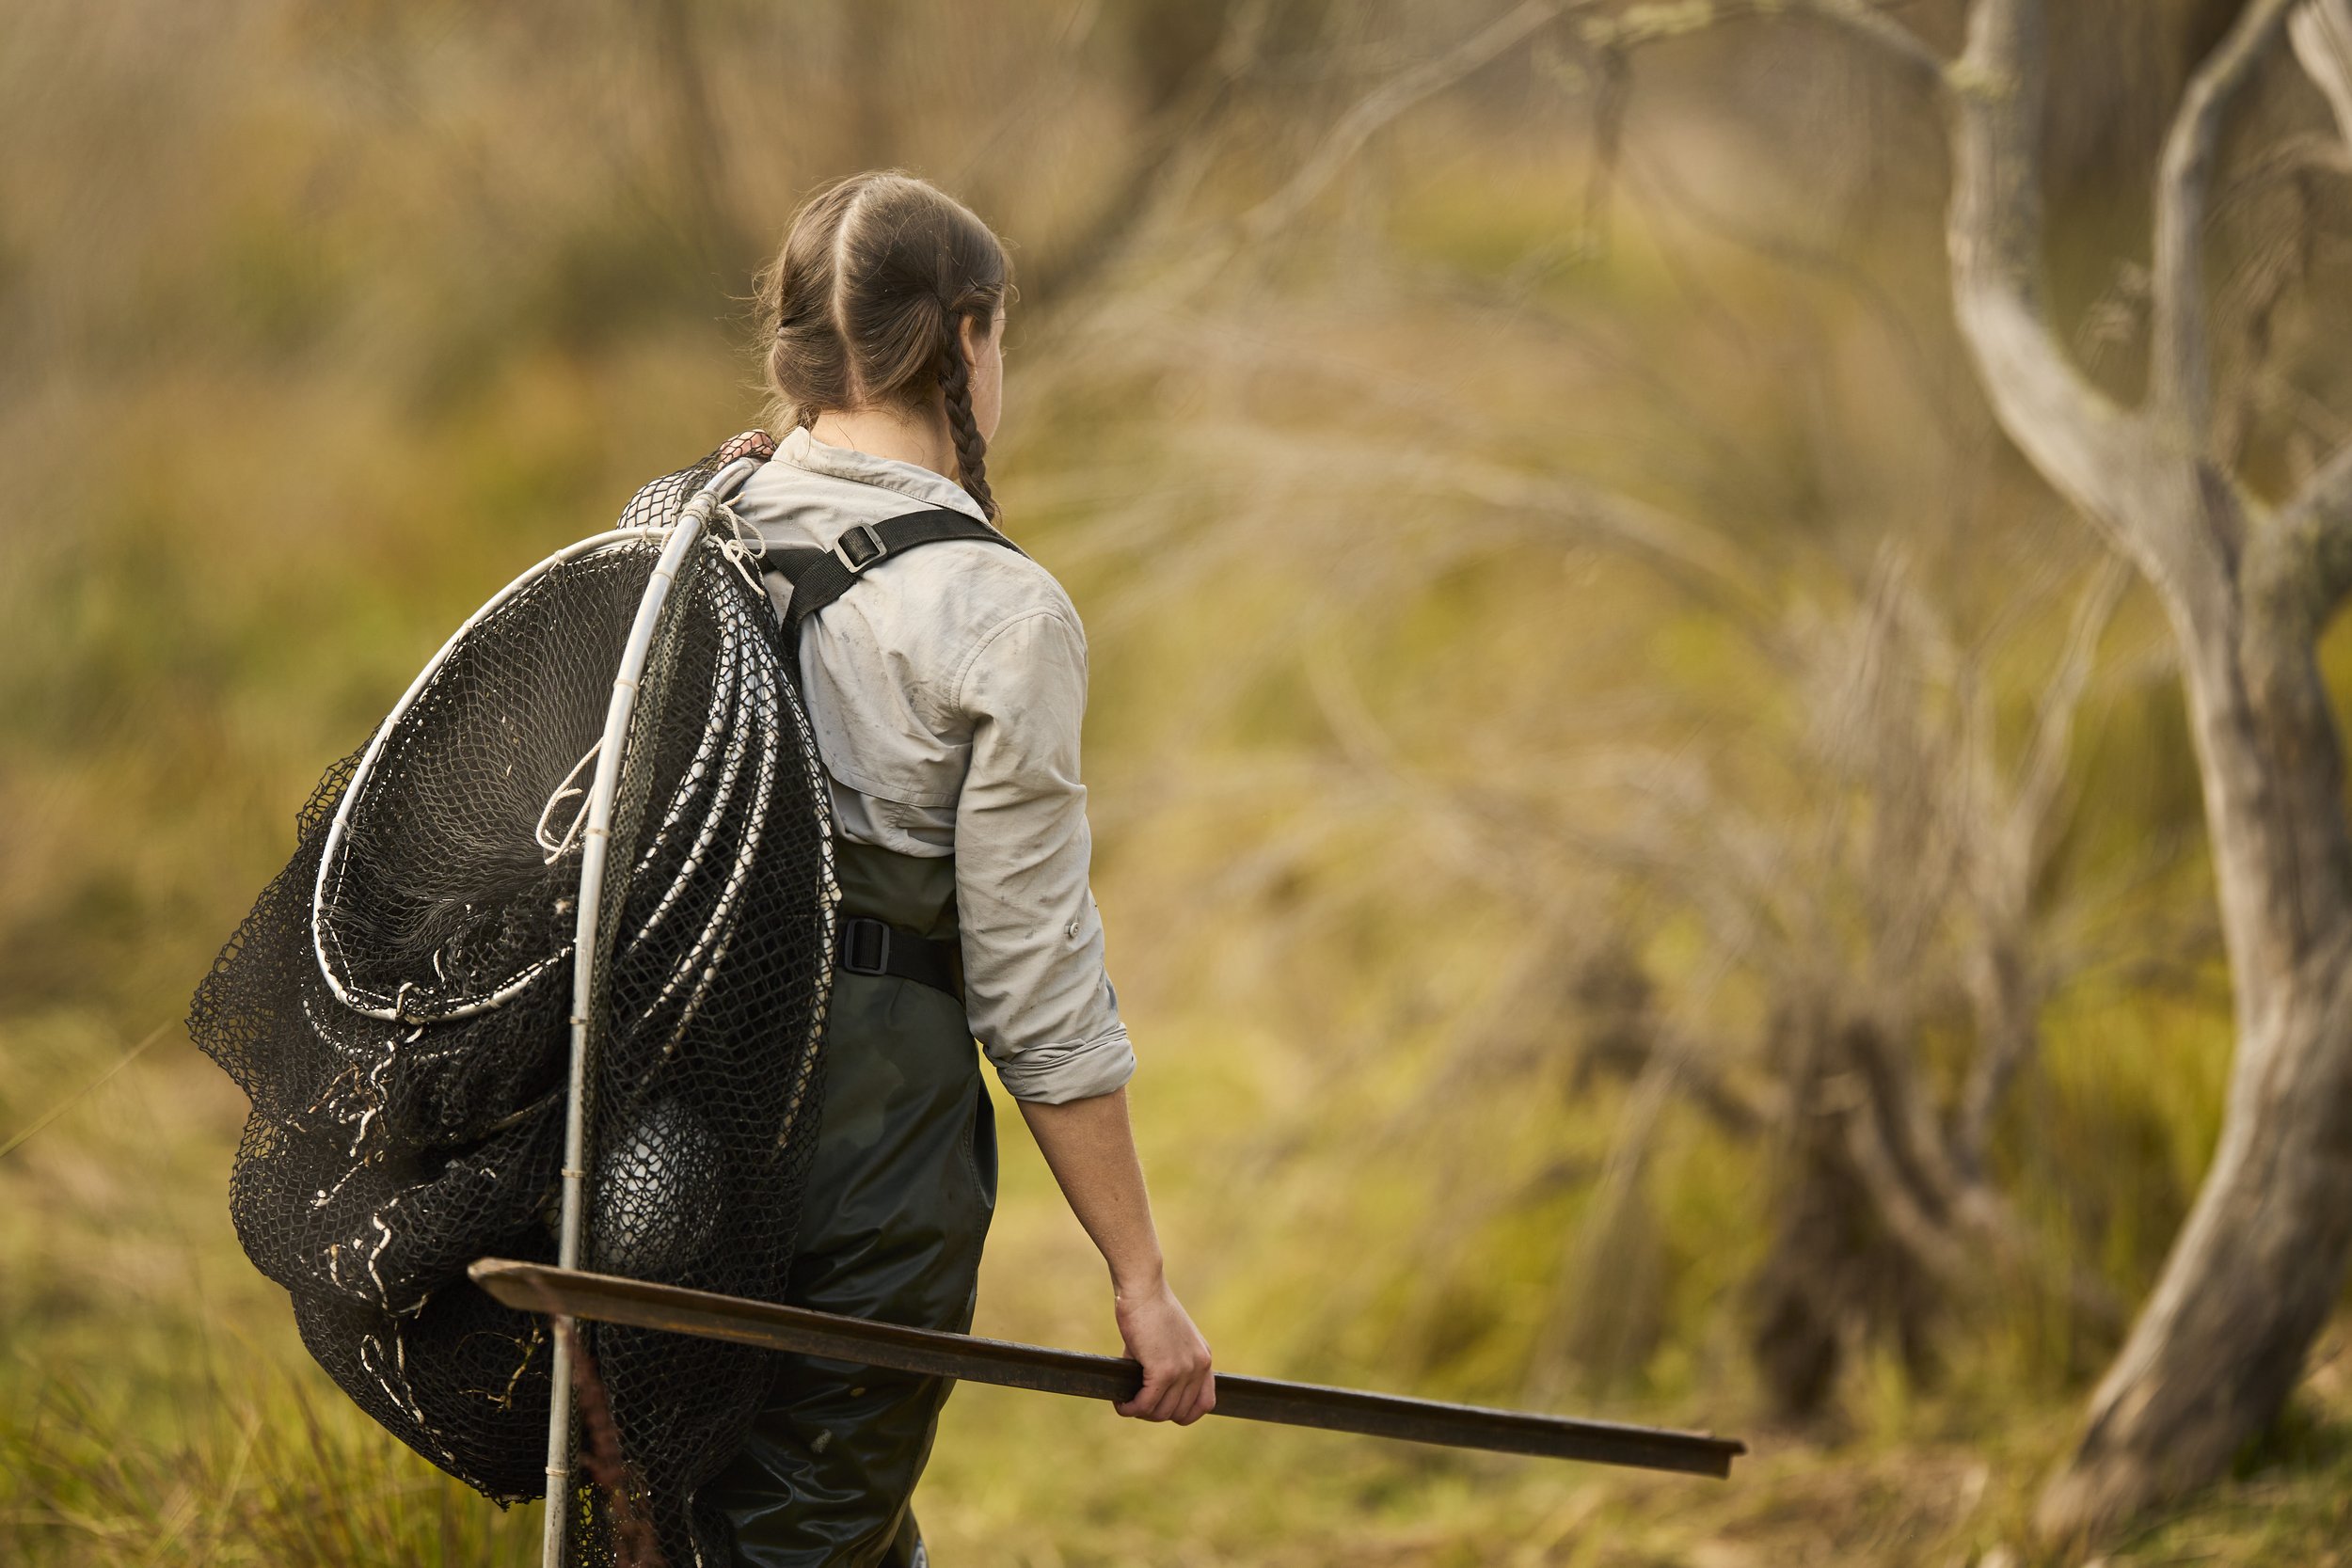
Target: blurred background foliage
(1653, 868)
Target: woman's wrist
(1139, 1280)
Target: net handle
(595, 847)
(339, 830)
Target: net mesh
(397, 1007)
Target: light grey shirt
(946, 691)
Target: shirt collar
(807, 453)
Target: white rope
(555, 847)
(745, 551)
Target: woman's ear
(982, 342)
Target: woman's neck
(904, 435)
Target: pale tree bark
(2219, 1344)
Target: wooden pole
(605, 1298)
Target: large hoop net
(398, 1008)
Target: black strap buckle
(864, 946)
(860, 546)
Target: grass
(155, 1407)
(156, 1410)
(237, 1469)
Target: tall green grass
(231, 1470)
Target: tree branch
(2181, 373)
(1629, 29)
(2081, 441)
(1164, 158)
(2322, 33)
(2313, 535)
(2043, 773)
(1388, 100)
(1860, 20)
(2312, 539)
(2010, 970)
(1894, 42)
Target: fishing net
(397, 1005)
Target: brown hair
(864, 305)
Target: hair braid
(955, 386)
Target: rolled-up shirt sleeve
(1039, 999)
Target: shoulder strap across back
(819, 576)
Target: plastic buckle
(860, 546)
(860, 937)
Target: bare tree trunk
(2250, 1279)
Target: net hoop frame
(596, 844)
(330, 855)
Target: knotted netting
(398, 1008)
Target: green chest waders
(896, 1211)
(904, 1182)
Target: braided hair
(866, 303)
(955, 386)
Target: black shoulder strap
(820, 576)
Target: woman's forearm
(1090, 1148)
(1092, 1152)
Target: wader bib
(904, 1186)
(897, 1208)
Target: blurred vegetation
(1586, 713)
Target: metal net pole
(596, 850)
